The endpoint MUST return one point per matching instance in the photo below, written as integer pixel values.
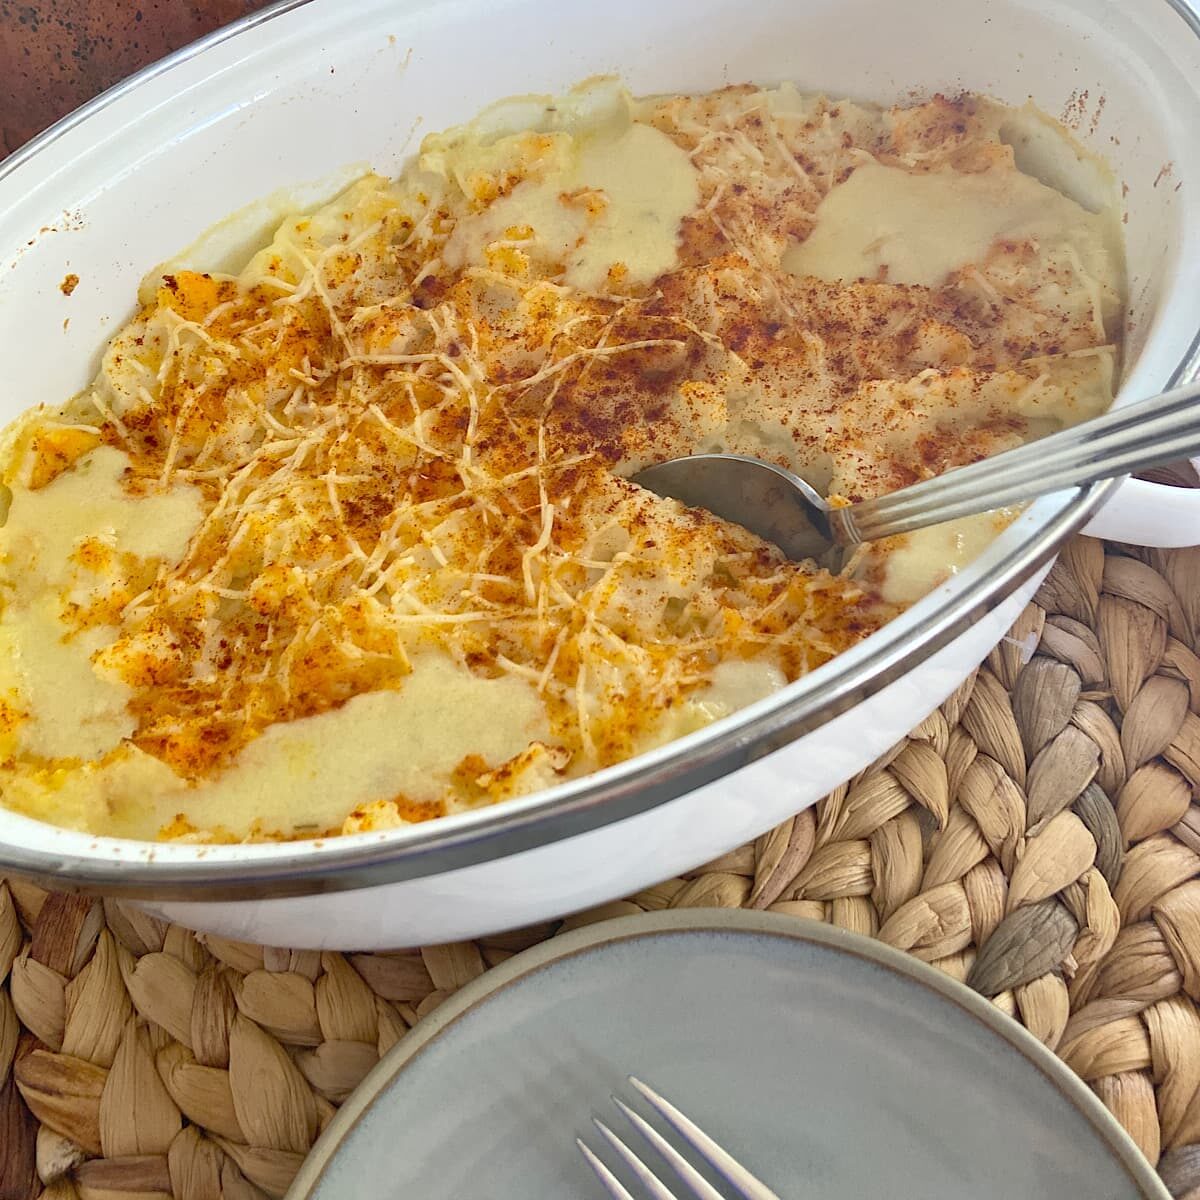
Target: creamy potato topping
(345, 539)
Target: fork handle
(1135, 437)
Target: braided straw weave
(1038, 837)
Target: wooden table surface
(55, 54)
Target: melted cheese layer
(341, 538)
(888, 223)
(62, 547)
(611, 201)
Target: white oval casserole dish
(304, 88)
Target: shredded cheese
(403, 432)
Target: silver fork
(746, 1184)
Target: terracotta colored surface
(55, 54)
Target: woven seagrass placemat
(1038, 837)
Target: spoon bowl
(771, 501)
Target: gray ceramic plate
(831, 1065)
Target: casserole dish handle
(1149, 514)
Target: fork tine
(750, 1187)
(615, 1187)
(655, 1186)
(680, 1165)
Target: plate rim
(580, 941)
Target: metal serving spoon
(782, 508)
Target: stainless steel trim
(586, 804)
(592, 802)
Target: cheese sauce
(342, 536)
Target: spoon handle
(1135, 437)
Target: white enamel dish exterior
(833, 1067)
(299, 91)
